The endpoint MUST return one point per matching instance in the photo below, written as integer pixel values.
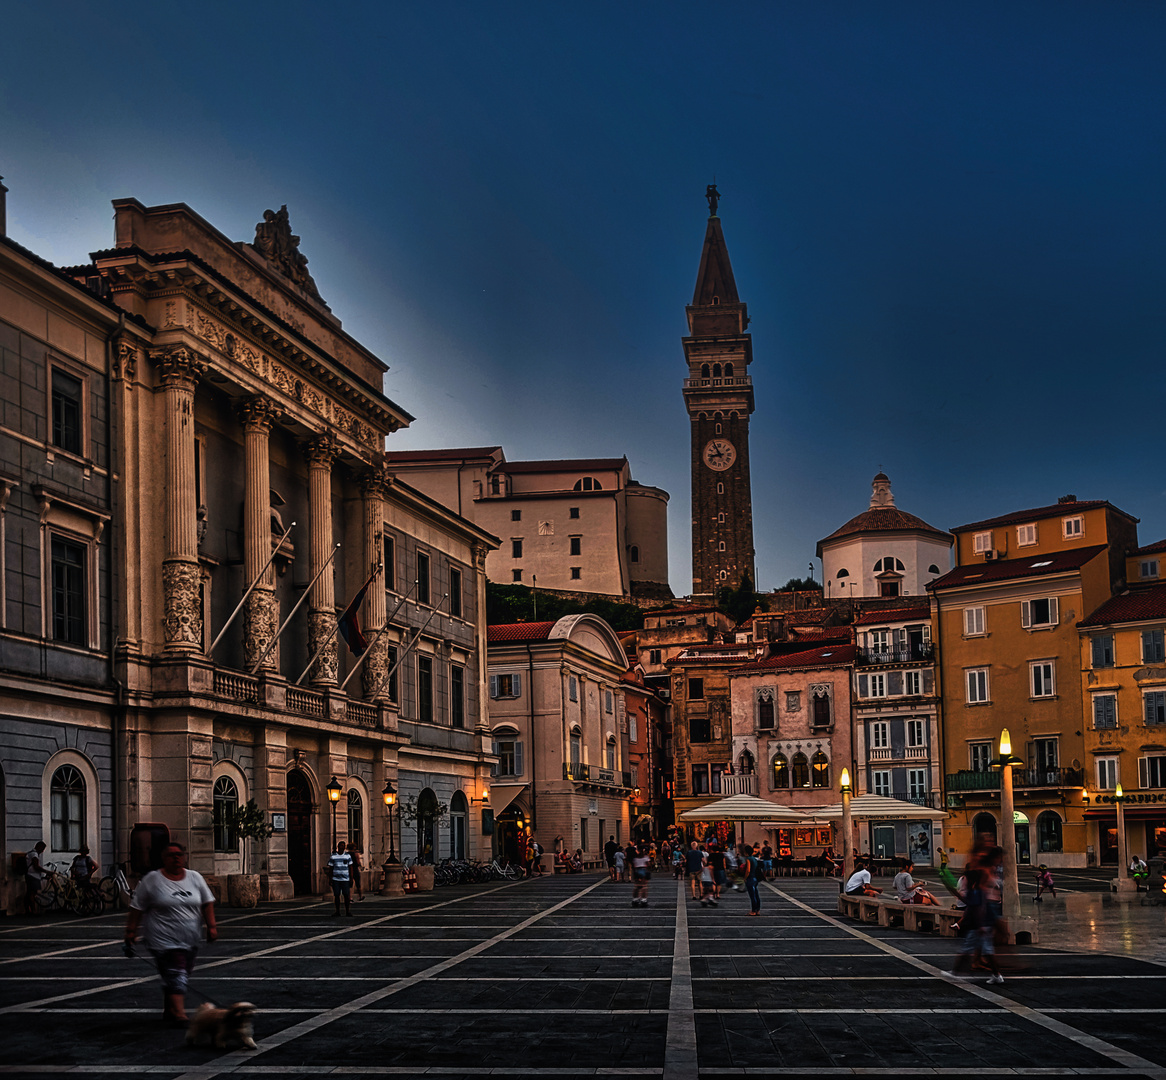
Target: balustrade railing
(306, 701)
(738, 784)
(362, 714)
(229, 684)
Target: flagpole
(405, 652)
(299, 603)
(335, 628)
(251, 588)
(377, 636)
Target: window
(916, 783)
(576, 573)
(425, 689)
(633, 728)
(576, 545)
(699, 729)
(1104, 711)
(67, 809)
(588, 483)
(609, 755)
(576, 748)
(913, 683)
(515, 515)
(879, 641)
(1025, 535)
(68, 414)
(981, 755)
(881, 781)
(696, 689)
(516, 548)
(780, 771)
(878, 686)
(721, 545)
(801, 770)
(572, 688)
(506, 686)
(455, 593)
(1154, 707)
(1107, 773)
(880, 735)
(509, 751)
(68, 594)
(457, 695)
(225, 802)
(914, 733)
(495, 484)
(977, 685)
(821, 710)
(634, 554)
(981, 542)
(390, 562)
(422, 578)
(573, 512)
(654, 656)
(700, 780)
(355, 819)
(515, 575)
(608, 702)
(1072, 527)
(1048, 832)
(720, 489)
(820, 770)
(391, 660)
(888, 588)
(1045, 752)
(1152, 647)
(1040, 612)
(933, 569)
(973, 621)
(1102, 646)
(1152, 771)
(765, 709)
(1041, 679)
(1148, 568)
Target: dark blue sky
(947, 222)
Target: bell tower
(718, 393)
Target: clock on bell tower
(718, 394)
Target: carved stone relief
(260, 621)
(182, 613)
(321, 626)
(376, 667)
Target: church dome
(882, 516)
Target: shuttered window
(1152, 647)
(973, 621)
(1104, 711)
(1155, 707)
(1102, 650)
(1040, 612)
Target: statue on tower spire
(713, 197)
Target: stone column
(481, 637)
(373, 485)
(182, 611)
(321, 452)
(261, 613)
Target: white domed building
(884, 551)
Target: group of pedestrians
(708, 868)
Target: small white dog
(223, 1027)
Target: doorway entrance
(1023, 851)
(299, 832)
(882, 841)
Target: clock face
(719, 454)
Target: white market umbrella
(745, 808)
(883, 807)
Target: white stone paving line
(232, 1062)
(1116, 1054)
(340, 931)
(680, 1045)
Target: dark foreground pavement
(561, 977)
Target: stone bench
(891, 911)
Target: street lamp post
(1123, 882)
(847, 830)
(334, 789)
(390, 797)
(1018, 929)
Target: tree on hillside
(516, 603)
(797, 584)
(738, 603)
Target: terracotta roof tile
(822, 657)
(1151, 549)
(1057, 510)
(981, 573)
(890, 615)
(1135, 605)
(522, 631)
(808, 616)
(883, 519)
(832, 633)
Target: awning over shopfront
(881, 807)
(502, 795)
(748, 808)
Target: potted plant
(412, 813)
(249, 824)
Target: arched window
(1048, 832)
(588, 483)
(780, 771)
(843, 573)
(801, 770)
(718, 431)
(728, 370)
(984, 823)
(720, 489)
(355, 819)
(721, 546)
(765, 709)
(458, 814)
(634, 553)
(67, 807)
(716, 371)
(820, 770)
(745, 763)
(427, 826)
(933, 569)
(720, 519)
(704, 371)
(225, 804)
(610, 755)
(878, 567)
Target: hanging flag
(349, 623)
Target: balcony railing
(592, 774)
(910, 753)
(967, 780)
(737, 784)
(896, 656)
(240, 687)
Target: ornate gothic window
(765, 708)
(822, 714)
(780, 771)
(801, 770)
(820, 770)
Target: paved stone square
(562, 977)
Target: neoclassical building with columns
(250, 503)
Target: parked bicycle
(115, 889)
(59, 891)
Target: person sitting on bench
(859, 883)
(908, 892)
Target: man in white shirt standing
(340, 874)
